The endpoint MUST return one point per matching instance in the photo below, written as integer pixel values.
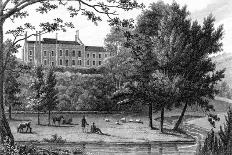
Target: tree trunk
(4, 125)
(161, 120)
(38, 118)
(49, 115)
(181, 117)
(10, 111)
(150, 116)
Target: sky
(90, 34)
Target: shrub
(55, 139)
(219, 143)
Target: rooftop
(55, 41)
(94, 48)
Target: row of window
(73, 54)
(66, 62)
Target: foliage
(224, 90)
(37, 87)
(55, 139)
(182, 48)
(9, 149)
(50, 98)
(219, 143)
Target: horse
(67, 121)
(21, 126)
(57, 119)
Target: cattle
(26, 125)
(123, 120)
(107, 120)
(57, 119)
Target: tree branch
(5, 3)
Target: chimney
(39, 36)
(77, 36)
(25, 36)
(36, 36)
(56, 36)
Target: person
(94, 129)
(83, 124)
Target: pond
(128, 149)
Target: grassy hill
(225, 61)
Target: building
(60, 53)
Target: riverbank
(128, 132)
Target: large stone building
(54, 52)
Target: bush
(55, 139)
(219, 143)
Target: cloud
(220, 9)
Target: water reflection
(129, 149)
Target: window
(53, 64)
(66, 62)
(105, 55)
(30, 60)
(88, 62)
(73, 53)
(93, 63)
(79, 53)
(79, 62)
(30, 52)
(52, 53)
(45, 53)
(99, 56)
(93, 55)
(99, 63)
(61, 62)
(45, 62)
(73, 62)
(61, 53)
(87, 55)
(66, 52)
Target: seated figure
(94, 129)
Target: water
(132, 149)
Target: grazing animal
(131, 120)
(138, 121)
(117, 123)
(67, 121)
(123, 120)
(107, 120)
(57, 119)
(26, 125)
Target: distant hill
(225, 61)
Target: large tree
(9, 10)
(183, 48)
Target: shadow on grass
(31, 133)
(61, 126)
(178, 133)
(172, 119)
(104, 134)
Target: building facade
(59, 53)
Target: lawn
(125, 132)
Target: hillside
(225, 61)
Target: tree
(12, 85)
(38, 86)
(50, 98)
(10, 10)
(183, 48)
(12, 90)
